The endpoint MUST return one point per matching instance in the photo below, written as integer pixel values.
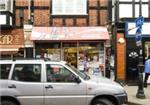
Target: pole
(140, 91)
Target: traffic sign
(138, 36)
(138, 39)
(139, 21)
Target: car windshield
(81, 74)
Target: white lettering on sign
(6, 39)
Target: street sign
(139, 21)
(138, 36)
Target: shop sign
(131, 29)
(6, 39)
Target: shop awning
(11, 40)
(10, 49)
(69, 33)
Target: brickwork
(21, 2)
(92, 17)
(103, 17)
(69, 22)
(42, 2)
(42, 15)
(93, 3)
(41, 18)
(121, 58)
(81, 22)
(57, 22)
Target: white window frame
(63, 7)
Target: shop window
(48, 50)
(58, 73)
(91, 57)
(27, 72)
(69, 7)
(4, 70)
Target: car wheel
(102, 101)
(7, 102)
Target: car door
(61, 87)
(25, 83)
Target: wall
(41, 9)
(121, 56)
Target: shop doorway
(70, 53)
(132, 70)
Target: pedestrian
(147, 71)
(108, 68)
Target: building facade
(70, 30)
(127, 52)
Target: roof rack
(19, 58)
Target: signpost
(138, 38)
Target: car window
(4, 70)
(58, 73)
(27, 72)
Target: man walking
(147, 71)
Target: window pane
(144, 10)
(57, 6)
(2, 4)
(4, 71)
(27, 72)
(81, 6)
(58, 73)
(67, 7)
(123, 8)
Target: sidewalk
(132, 100)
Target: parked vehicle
(44, 82)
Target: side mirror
(77, 79)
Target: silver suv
(42, 82)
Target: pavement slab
(133, 100)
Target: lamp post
(139, 23)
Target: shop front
(82, 47)
(11, 43)
(132, 50)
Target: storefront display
(86, 56)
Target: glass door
(70, 53)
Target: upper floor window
(6, 5)
(69, 7)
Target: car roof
(30, 61)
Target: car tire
(102, 101)
(7, 102)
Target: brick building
(58, 29)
